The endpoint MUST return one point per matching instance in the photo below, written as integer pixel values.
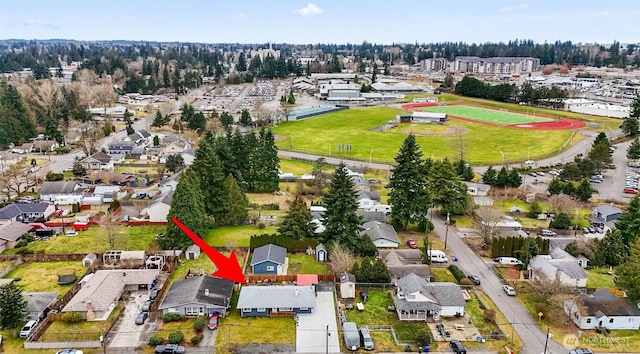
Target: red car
(412, 244)
(213, 321)
(630, 191)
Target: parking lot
(127, 334)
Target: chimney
(433, 289)
(206, 292)
(296, 291)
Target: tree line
(527, 94)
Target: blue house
(265, 301)
(269, 259)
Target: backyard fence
(282, 278)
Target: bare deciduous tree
(486, 219)
(12, 180)
(545, 286)
(562, 203)
(89, 139)
(340, 259)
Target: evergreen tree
(187, 206)
(13, 307)
(234, 207)
(601, 138)
(569, 189)
(242, 63)
(226, 119)
(611, 250)
(630, 126)
(245, 117)
(17, 125)
(490, 176)
(319, 176)
(446, 189)
(628, 224)
(601, 156)
(209, 170)
(265, 168)
(174, 163)
(628, 273)
(502, 179)
(633, 152)
(291, 99)
(156, 140)
(561, 221)
(159, 120)
(534, 209)
(342, 224)
(408, 194)
(297, 223)
(584, 191)
(555, 186)
(515, 179)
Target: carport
(311, 333)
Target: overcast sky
(323, 21)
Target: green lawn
(323, 134)
(96, 240)
(306, 264)
(235, 236)
(443, 275)
(597, 279)
(235, 331)
(487, 115)
(85, 330)
(203, 263)
(43, 276)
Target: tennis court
(493, 116)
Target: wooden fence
(41, 257)
(282, 278)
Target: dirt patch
(278, 137)
(448, 132)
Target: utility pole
(446, 233)
(546, 342)
(326, 340)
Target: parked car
(581, 351)
(475, 279)
(630, 191)
(509, 290)
(528, 162)
(169, 349)
(412, 244)
(154, 294)
(585, 230)
(545, 232)
(142, 316)
(71, 233)
(213, 321)
(367, 341)
(69, 351)
(28, 327)
(457, 347)
(146, 306)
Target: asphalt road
(525, 326)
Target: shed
(321, 253)
(347, 286)
(89, 260)
(192, 252)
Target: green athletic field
(486, 115)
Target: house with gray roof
(477, 189)
(198, 296)
(101, 290)
(54, 190)
(605, 216)
(26, 212)
(603, 309)
(121, 147)
(382, 234)
(10, 233)
(265, 301)
(367, 199)
(170, 183)
(559, 266)
(269, 259)
(360, 183)
(416, 299)
(37, 304)
(158, 208)
(98, 161)
(402, 262)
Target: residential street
(532, 336)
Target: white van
(509, 260)
(437, 256)
(25, 332)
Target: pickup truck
(169, 349)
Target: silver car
(509, 290)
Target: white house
(58, 190)
(416, 299)
(347, 286)
(477, 189)
(603, 309)
(109, 193)
(559, 266)
(158, 208)
(367, 200)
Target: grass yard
(487, 115)
(95, 239)
(85, 330)
(202, 263)
(323, 134)
(235, 236)
(597, 279)
(43, 276)
(376, 313)
(235, 331)
(443, 275)
(306, 264)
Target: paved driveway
(312, 328)
(125, 332)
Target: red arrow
(228, 268)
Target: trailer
(351, 335)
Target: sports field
(492, 116)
